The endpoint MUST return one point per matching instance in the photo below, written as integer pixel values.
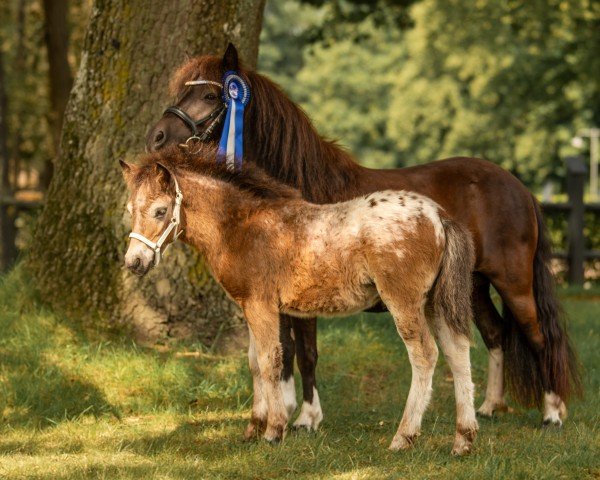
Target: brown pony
(528, 344)
(274, 252)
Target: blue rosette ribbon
(236, 95)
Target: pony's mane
(250, 179)
(279, 137)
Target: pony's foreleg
(258, 421)
(305, 333)
(423, 354)
(456, 351)
(288, 385)
(264, 324)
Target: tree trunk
(76, 257)
(59, 75)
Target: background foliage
(403, 83)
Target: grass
(79, 404)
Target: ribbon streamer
(236, 95)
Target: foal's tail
(559, 370)
(454, 285)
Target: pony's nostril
(137, 262)
(160, 137)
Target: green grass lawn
(79, 404)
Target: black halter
(216, 115)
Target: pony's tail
(558, 361)
(454, 285)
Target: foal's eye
(210, 96)
(160, 212)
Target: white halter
(173, 225)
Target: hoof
(463, 440)
(402, 442)
(254, 430)
(273, 441)
(552, 422)
(462, 450)
(310, 416)
(274, 434)
(488, 409)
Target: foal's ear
(127, 170)
(164, 174)
(230, 59)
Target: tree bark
(59, 73)
(76, 257)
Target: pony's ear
(230, 59)
(164, 174)
(127, 170)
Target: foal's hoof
(254, 430)
(402, 442)
(463, 440)
(273, 441)
(274, 435)
(462, 449)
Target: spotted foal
(274, 252)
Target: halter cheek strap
(156, 247)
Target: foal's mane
(250, 179)
(279, 136)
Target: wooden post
(7, 221)
(576, 174)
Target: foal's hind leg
(491, 326)
(423, 354)
(456, 351)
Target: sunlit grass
(80, 404)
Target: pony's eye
(160, 212)
(210, 96)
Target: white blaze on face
(147, 224)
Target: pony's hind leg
(305, 334)
(423, 354)
(455, 348)
(491, 326)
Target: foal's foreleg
(456, 351)
(264, 324)
(423, 354)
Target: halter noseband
(216, 115)
(156, 247)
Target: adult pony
(274, 252)
(528, 345)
